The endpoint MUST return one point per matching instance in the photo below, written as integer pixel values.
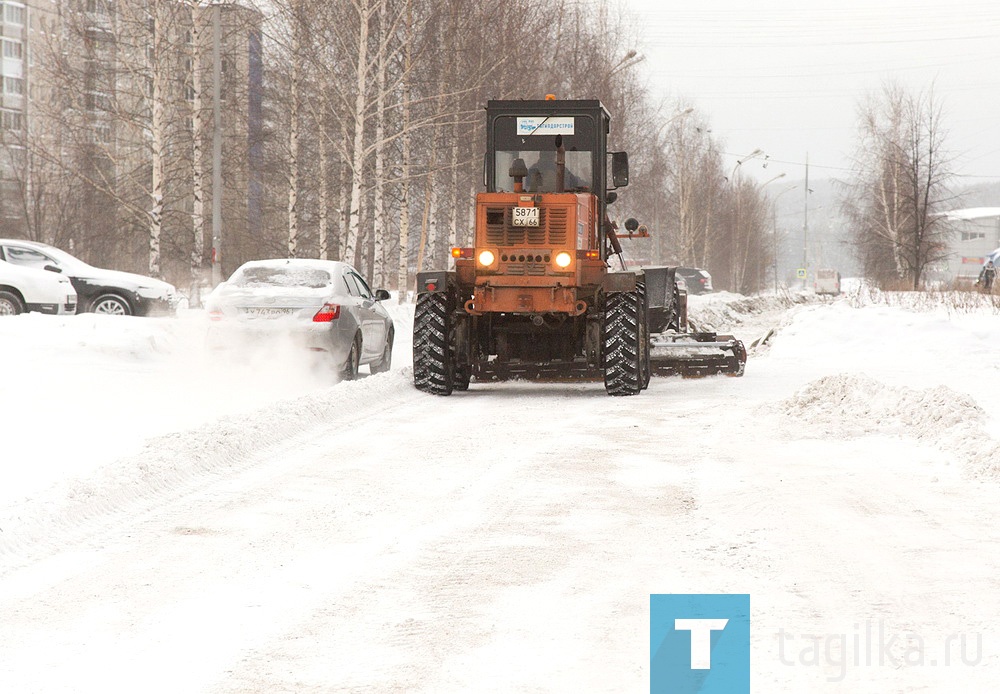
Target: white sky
(786, 76)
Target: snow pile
(175, 464)
(723, 311)
(855, 405)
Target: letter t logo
(701, 639)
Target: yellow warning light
(550, 97)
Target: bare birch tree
(901, 172)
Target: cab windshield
(543, 172)
(534, 139)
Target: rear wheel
(622, 344)
(644, 340)
(433, 364)
(111, 305)
(385, 363)
(463, 376)
(350, 371)
(10, 304)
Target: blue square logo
(699, 644)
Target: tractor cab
(551, 146)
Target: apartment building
(97, 116)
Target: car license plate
(525, 216)
(265, 311)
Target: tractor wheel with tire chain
(433, 364)
(622, 344)
(644, 336)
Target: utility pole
(216, 144)
(805, 229)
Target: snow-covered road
(364, 537)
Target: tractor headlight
(487, 258)
(563, 259)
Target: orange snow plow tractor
(535, 297)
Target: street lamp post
(774, 244)
(738, 267)
(805, 230)
(739, 162)
(774, 225)
(657, 246)
(631, 58)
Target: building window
(13, 13)
(11, 119)
(97, 6)
(102, 133)
(13, 85)
(973, 235)
(97, 101)
(12, 49)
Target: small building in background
(976, 240)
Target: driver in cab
(543, 176)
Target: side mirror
(631, 224)
(619, 169)
(53, 268)
(381, 295)
(610, 197)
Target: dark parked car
(698, 281)
(322, 305)
(98, 290)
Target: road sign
(801, 273)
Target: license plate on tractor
(525, 216)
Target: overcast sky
(786, 76)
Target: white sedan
(324, 305)
(29, 289)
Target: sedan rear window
(282, 277)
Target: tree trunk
(403, 283)
(197, 165)
(358, 149)
(293, 146)
(157, 136)
(379, 226)
(324, 196)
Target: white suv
(30, 289)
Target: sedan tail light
(215, 315)
(329, 312)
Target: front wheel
(433, 364)
(622, 344)
(111, 305)
(10, 304)
(385, 363)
